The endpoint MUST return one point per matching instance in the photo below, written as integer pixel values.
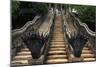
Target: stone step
(57, 56)
(54, 61)
(88, 59)
(54, 49)
(57, 43)
(57, 29)
(25, 49)
(23, 56)
(58, 35)
(85, 48)
(20, 62)
(88, 55)
(57, 32)
(86, 52)
(62, 45)
(57, 40)
(24, 53)
(57, 52)
(58, 26)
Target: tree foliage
(14, 7)
(25, 11)
(36, 8)
(87, 14)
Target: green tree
(36, 8)
(14, 7)
(87, 14)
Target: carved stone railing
(50, 21)
(84, 25)
(22, 29)
(66, 35)
(17, 42)
(85, 29)
(66, 32)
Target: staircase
(87, 54)
(57, 50)
(22, 57)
